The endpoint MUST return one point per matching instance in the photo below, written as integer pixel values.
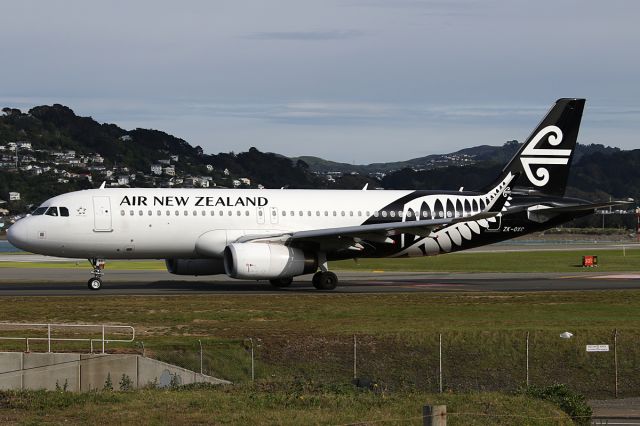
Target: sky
(357, 81)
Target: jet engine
(195, 266)
(267, 261)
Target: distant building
(226, 172)
(14, 196)
(175, 158)
(209, 168)
(24, 145)
(123, 180)
(97, 159)
(165, 162)
(125, 138)
(236, 183)
(245, 181)
(156, 169)
(169, 171)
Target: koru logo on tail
(534, 156)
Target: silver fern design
(440, 206)
(537, 156)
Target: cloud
(306, 35)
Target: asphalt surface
(58, 282)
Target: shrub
(569, 401)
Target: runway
(72, 282)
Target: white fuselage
(144, 223)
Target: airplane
(275, 235)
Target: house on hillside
(175, 158)
(156, 169)
(169, 171)
(14, 196)
(125, 138)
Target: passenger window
(359, 213)
(284, 213)
(150, 213)
(246, 213)
(168, 213)
(195, 213)
(140, 213)
(39, 211)
(308, 212)
(317, 212)
(399, 213)
(292, 213)
(335, 213)
(159, 213)
(204, 213)
(367, 213)
(409, 214)
(52, 211)
(186, 213)
(177, 213)
(239, 213)
(392, 213)
(300, 213)
(122, 213)
(221, 213)
(384, 213)
(376, 213)
(131, 213)
(230, 213)
(342, 213)
(350, 213)
(64, 211)
(326, 213)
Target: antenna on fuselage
(104, 183)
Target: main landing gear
(325, 280)
(95, 283)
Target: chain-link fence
(451, 360)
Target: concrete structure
(84, 372)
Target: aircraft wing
(344, 237)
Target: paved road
(50, 282)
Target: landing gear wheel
(94, 283)
(325, 280)
(281, 282)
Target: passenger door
(102, 214)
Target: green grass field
(270, 405)
(305, 359)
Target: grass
(531, 261)
(310, 337)
(268, 404)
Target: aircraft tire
(281, 282)
(325, 281)
(94, 284)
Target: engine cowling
(265, 261)
(195, 266)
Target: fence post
(355, 357)
(527, 359)
(615, 356)
(49, 337)
(434, 415)
(103, 338)
(440, 367)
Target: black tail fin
(542, 164)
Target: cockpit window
(39, 211)
(64, 211)
(52, 211)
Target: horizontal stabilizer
(542, 213)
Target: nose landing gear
(95, 283)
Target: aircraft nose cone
(18, 234)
